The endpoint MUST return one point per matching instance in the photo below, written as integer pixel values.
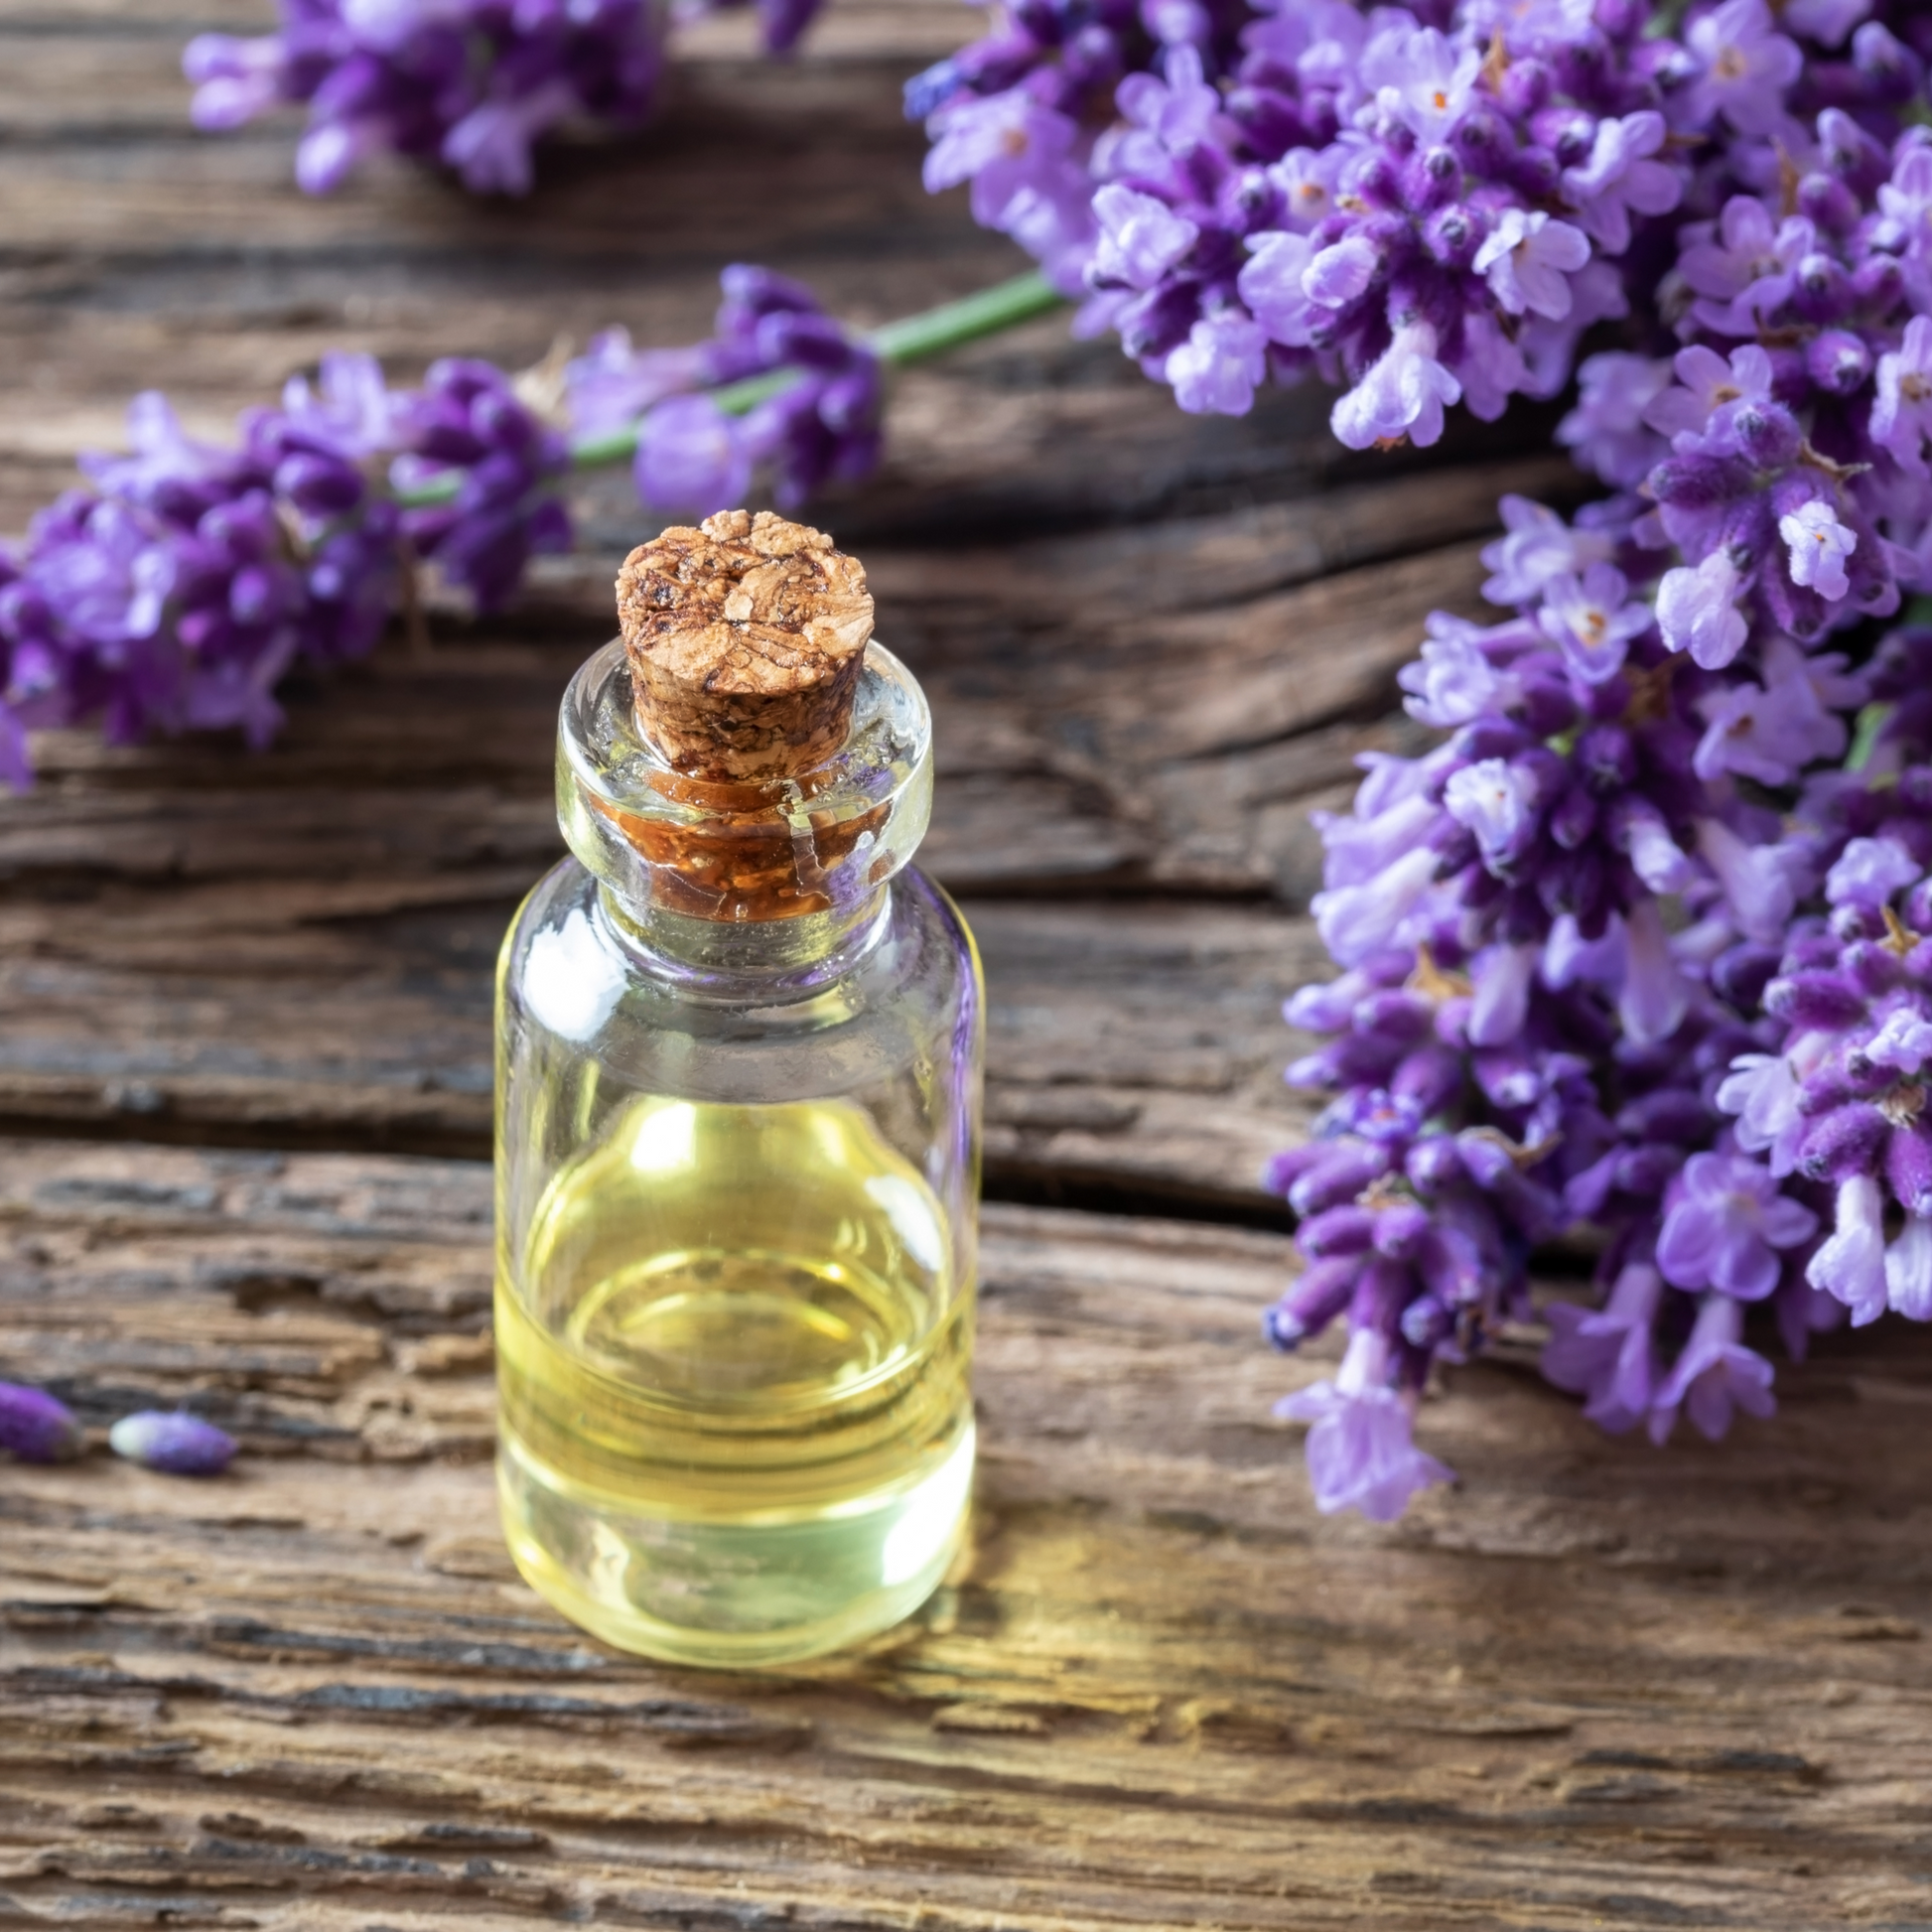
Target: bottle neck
(761, 961)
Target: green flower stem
(912, 339)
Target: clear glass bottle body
(737, 1181)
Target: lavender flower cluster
(1644, 947)
(180, 585)
(1424, 203)
(184, 580)
(471, 83)
(814, 419)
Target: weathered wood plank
(1598, 1687)
(1134, 1048)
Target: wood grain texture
(296, 946)
(1595, 1686)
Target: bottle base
(725, 1594)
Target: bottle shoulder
(570, 973)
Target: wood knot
(745, 637)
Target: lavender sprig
(185, 580)
(472, 84)
(1423, 205)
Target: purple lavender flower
(1819, 545)
(1609, 1355)
(1527, 259)
(1746, 66)
(1139, 237)
(1217, 369)
(1361, 1451)
(1901, 412)
(472, 84)
(465, 427)
(173, 1442)
(1724, 1225)
(1593, 621)
(1715, 1375)
(693, 456)
(1401, 397)
(1620, 177)
(36, 1428)
(1539, 548)
(1611, 428)
(1697, 611)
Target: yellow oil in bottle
(732, 1365)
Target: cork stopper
(745, 637)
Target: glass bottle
(739, 1064)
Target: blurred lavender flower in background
(814, 420)
(182, 584)
(472, 84)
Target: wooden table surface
(244, 1050)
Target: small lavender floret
(171, 1442)
(35, 1427)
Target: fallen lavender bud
(35, 1428)
(175, 1444)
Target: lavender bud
(175, 1444)
(1814, 1000)
(1823, 291)
(1838, 361)
(1769, 435)
(1269, 119)
(1347, 1231)
(1842, 1143)
(1674, 1114)
(1607, 757)
(1433, 1165)
(1401, 1230)
(1426, 1322)
(1284, 1169)
(1382, 1291)
(1852, 155)
(1376, 179)
(1433, 177)
(1320, 1292)
(1547, 706)
(1740, 974)
(35, 1428)
(1527, 84)
(1875, 967)
(1574, 818)
(1827, 202)
(1453, 236)
(1694, 482)
(1491, 738)
(1347, 1170)
(1645, 1171)
(1428, 1078)
(1876, 285)
(1399, 1018)
(1908, 1166)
